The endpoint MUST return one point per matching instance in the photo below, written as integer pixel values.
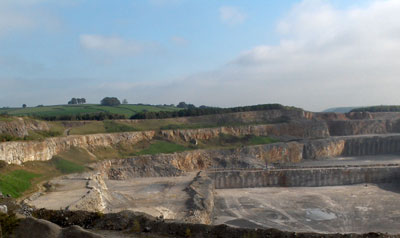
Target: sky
(313, 54)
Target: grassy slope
(158, 147)
(127, 110)
(17, 180)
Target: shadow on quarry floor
(390, 187)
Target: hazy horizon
(313, 54)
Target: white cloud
(25, 15)
(111, 45)
(326, 57)
(231, 15)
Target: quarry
(324, 173)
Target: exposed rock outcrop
(19, 152)
(310, 177)
(352, 146)
(298, 129)
(303, 125)
(176, 164)
(201, 202)
(95, 199)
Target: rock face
(162, 165)
(250, 157)
(299, 129)
(22, 151)
(352, 146)
(302, 125)
(18, 152)
(96, 197)
(360, 127)
(20, 127)
(201, 204)
(311, 177)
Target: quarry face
(327, 174)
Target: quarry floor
(355, 208)
(155, 196)
(344, 209)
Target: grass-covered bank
(126, 110)
(17, 180)
(161, 147)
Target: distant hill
(380, 108)
(340, 109)
(61, 110)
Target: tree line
(100, 116)
(200, 111)
(75, 101)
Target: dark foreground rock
(133, 222)
(35, 228)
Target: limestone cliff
(251, 157)
(22, 151)
(18, 152)
(302, 125)
(298, 130)
(352, 146)
(176, 164)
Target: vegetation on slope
(382, 108)
(231, 141)
(112, 126)
(165, 147)
(67, 112)
(33, 135)
(16, 182)
(8, 223)
(208, 111)
(66, 166)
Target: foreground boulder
(38, 228)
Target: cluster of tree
(74, 101)
(101, 116)
(185, 106)
(110, 101)
(382, 108)
(204, 110)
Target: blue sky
(309, 53)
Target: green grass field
(165, 147)
(261, 140)
(16, 182)
(67, 167)
(59, 110)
